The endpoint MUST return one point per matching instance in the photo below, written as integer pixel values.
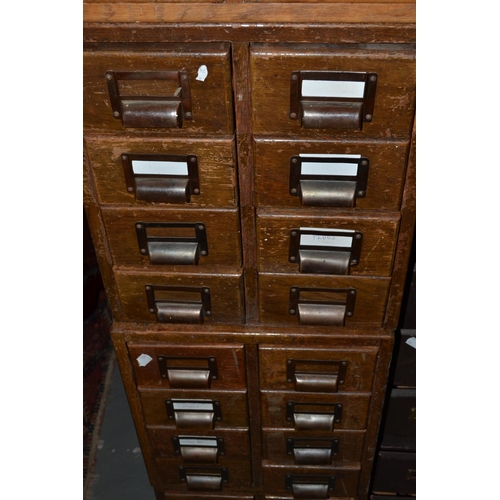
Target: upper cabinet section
(172, 89)
(333, 92)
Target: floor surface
(119, 472)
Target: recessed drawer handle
(145, 111)
(170, 310)
(172, 250)
(310, 486)
(316, 451)
(313, 416)
(311, 375)
(181, 373)
(194, 414)
(325, 251)
(161, 178)
(328, 180)
(204, 478)
(332, 99)
(329, 312)
(198, 449)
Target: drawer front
(395, 472)
(188, 366)
(173, 239)
(149, 170)
(194, 410)
(311, 413)
(220, 446)
(282, 166)
(317, 369)
(204, 478)
(146, 84)
(359, 246)
(310, 482)
(324, 448)
(276, 94)
(276, 298)
(186, 306)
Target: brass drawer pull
(198, 449)
(316, 375)
(144, 111)
(188, 372)
(193, 413)
(204, 478)
(161, 178)
(329, 180)
(332, 99)
(330, 311)
(310, 486)
(169, 309)
(315, 451)
(172, 250)
(324, 251)
(313, 416)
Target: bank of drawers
(165, 175)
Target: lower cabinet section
(395, 473)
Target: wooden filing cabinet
(249, 182)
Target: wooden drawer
(204, 478)
(359, 246)
(231, 444)
(310, 482)
(317, 369)
(210, 100)
(188, 366)
(211, 238)
(276, 299)
(276, 173)
(225, 289)
(194, 410)
(215, 168)
(284, 446)
(311, 413)
(395, 472)
(271, 69)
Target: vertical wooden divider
(244, 145)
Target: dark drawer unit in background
(250, 185)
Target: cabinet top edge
(264, 13)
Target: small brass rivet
(294, 233)
(349, 314)
(364, 162)
(293, 115)
(209, 313)
(294, 160)
(203, 252)
(293, 191)
(151, 310)
(354, 262)
(358, 236)
(373, 78)
(189, 114)
(130, 189)
(116, 114)
(206, 290)
(361, 193)
(138, 226)
(196, 191)
(109, 76)
(294, 77)
(201, 227)
(143, 250)
(368, 117)
(292, 311)
(292, 259)
(193, 159)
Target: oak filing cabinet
(249, 182)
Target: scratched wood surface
(271, 68)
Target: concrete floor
(119, 472)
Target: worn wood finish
(275, 445)
(274, 295)
(385, 175)
(272, 66)
(211, 99)
(239, 474)
(354, 408)
(216, 167)
(359, 371)
(377, 249)
(248, 12)
(236, 442)
(233, 404)
(229, 359)
(225, 292)
(222, 229)
(297, 31)
(346, 479)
